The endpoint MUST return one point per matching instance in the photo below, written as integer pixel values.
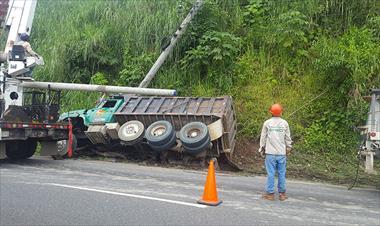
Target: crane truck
(29, 109)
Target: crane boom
(19, 18)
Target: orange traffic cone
(210, 196)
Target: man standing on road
(275, 144)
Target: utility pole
(174, 39)
(96, 88)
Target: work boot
(268, 196)
(282, 196)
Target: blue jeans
(275, 163)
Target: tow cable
(357, 172)
(360, 147)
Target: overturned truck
(191, 128)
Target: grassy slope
(121, 40)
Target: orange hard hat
(276, 110)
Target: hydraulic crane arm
(18, 19)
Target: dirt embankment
(246, 156)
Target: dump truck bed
(182, 110)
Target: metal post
(174, 39)
(97, 88)
(369, 162)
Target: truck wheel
(159, 133)
(196, 150)
(62, 146)
(166, 146)
(194, 135)
(20, 149)
(31, 147)
(131, 132)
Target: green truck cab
(101, 114)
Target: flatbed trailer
(18, 140)
(37, 131)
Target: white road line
(129, 195)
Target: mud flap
(2, 151)
(215, 129)
(49, 148)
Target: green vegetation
(258, 51)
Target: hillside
(317, 58)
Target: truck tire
(166, 146)
(131, 132)
(159, 133)
(63, 154)
(196, 150)
(20, 149)
(194, 134)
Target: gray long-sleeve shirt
(275, 136)
(27, 47)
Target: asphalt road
(79, 192)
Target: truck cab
(102, 113)
(97, 117)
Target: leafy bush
(134, 69)
(333, 132)
(291, 33)
(214, 56)
(348, 65)
(210, 18)
(99, 79)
